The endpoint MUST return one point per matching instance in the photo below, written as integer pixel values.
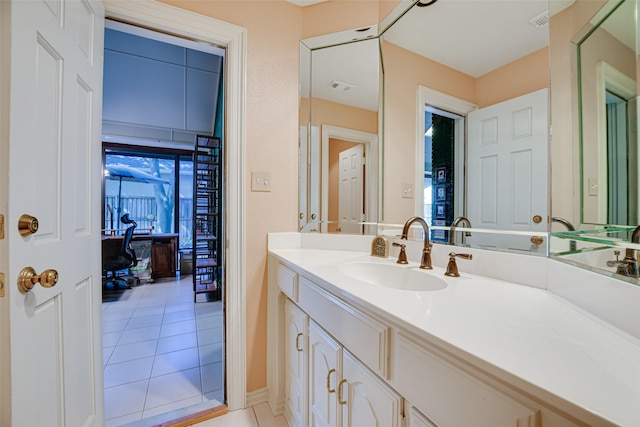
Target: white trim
(441, 101)
(257, 397)
(607, 78)
(177, 21)
(370, 140)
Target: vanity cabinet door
(417, 419)
(365, 400)
(325, 356)
(296, 365)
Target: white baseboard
(257, 396)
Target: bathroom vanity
(348, 347)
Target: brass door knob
(537, 240)
(28, 278)
(27, 225)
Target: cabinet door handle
(331, 371)
(340, 401)
(298, 342)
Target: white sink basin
(393, 276)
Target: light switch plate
(260, 181)
(593, 186)
(406, 191)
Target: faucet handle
(425, 263)
(452, 267)
(402, 256)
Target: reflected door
(351, 190)
(507, 149)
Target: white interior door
(351, 190)
(507, 158)
(55, 175)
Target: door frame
(370, 142)
(432, 98)
(233, 38)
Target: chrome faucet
(452, 232)
(425, 262)
(569, 226)
(629, 265)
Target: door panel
(55, 175)
(507, 149)
(324, 370)
(351, 190)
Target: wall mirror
(432, 81)
(606, 76)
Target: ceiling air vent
(344, 87)
(541, 20)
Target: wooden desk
(164, 249)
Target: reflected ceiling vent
(541, 20)
(341, 86)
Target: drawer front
(449, 396)
(365, 337)
(288, 282)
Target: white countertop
(527, 336)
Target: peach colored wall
(564, 163)
(336, 146)
(404, 72)
(525, 75)
(331, 113)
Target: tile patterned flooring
(256, 416)
(162, 352)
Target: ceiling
(471, 36)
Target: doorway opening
(163, 348)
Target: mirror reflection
(436, 86)
(340, 82)
(607, 95)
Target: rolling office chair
(125, 259)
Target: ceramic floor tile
(208, 309)
(146, 311)
(109, 315)
(172, 406)
(127, 372)
(114, 326)
(125, 399)
(139, 334)
(170, 388)
(209, 321)
(138, 350)
(240, 418)
(265, 417)
(110, 339)
(177, 342)
(209, 336)
(210, 353)
(106, 354)
(177, 328)
(212, 377)
(146, 321)
(178, 316)
(175, 361)
(117, 422)
(173, 307)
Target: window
(154, 188)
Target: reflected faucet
(629, 265)
(570, 227)
(425, 262)
(456, 223)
